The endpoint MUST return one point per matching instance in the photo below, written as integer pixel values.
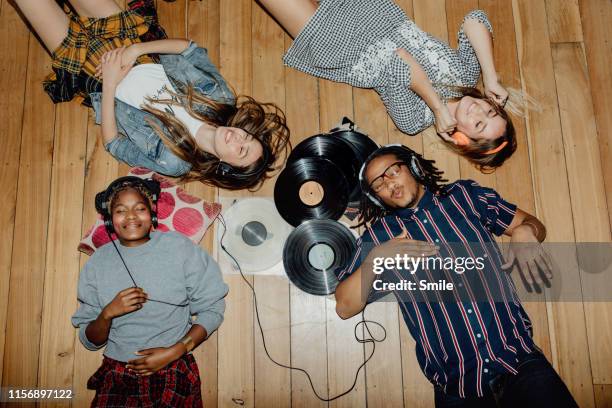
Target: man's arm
(349, 299)
(524, 222)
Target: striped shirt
(468, 335)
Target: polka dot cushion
(177, 210)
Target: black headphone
(103, 197)
(228, 171)
(403, 153)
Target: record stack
(311, 193)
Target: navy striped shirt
(465, 336)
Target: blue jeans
(537, 384)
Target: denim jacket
(137, 143)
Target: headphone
(463, 140)
(407, 155)
(228, 171)
(103, 198)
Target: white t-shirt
(150, 80)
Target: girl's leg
(291, 14)
(95, 8)
(47, 19)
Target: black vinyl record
(314, 252)
(362, 147)
(335, 149)
(329, 177)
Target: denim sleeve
(123, 149)
(198, 57)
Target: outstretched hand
(526, 251)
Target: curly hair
(432, 179)
(143, 192)
(266, 122)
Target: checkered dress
(75, 60)
(176, 385)
(354, 41)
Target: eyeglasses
(391, 172)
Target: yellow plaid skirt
(75, 60)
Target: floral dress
(354, 41)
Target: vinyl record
(362, 147)
(255, 233)
(311, 188)
(314, 252)
(335, 149)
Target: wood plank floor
(52, 164)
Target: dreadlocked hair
(432, 179)
(266, 122)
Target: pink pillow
(177, 210)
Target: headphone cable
(132, 277)
(372, 339)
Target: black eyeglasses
(391, 172)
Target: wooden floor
(52, 164)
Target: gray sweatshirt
(169, 268)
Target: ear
(461, 139)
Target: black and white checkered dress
(354, 41)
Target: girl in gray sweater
(149, 301)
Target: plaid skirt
(177, 385)
(75, 60)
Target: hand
(445, 123)
(401, 244)
(128, 58)
(527, 251)
(126, 301)
(111, 65)
(495, 91)
(155, 359)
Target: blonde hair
(477, 152)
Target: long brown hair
(475, 152)
(264, 121)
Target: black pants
(537, 384)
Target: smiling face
(392, 183)
(236, 147)
(478, 120)
(131, 217)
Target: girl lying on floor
(162, 103)
(150, 299)
(421, 80)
